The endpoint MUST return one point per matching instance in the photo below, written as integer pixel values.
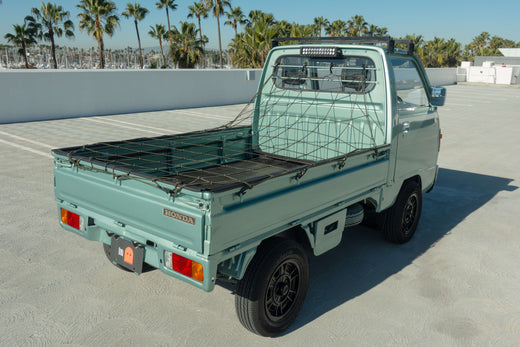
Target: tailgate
(132, 208)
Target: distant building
(510, 52)
(511, 57)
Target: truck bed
(215, 160)
(258, 168)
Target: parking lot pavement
(456, 283)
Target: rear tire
(273, 289)
(402, 219)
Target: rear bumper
(99, 228)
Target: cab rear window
(350, 74)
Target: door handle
(406, 128)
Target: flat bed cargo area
(215, 161)
(256, 169)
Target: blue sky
(462, 20)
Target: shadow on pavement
(363, 259)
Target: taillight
(184, 266)
(72, 219)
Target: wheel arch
(234, 268)
(391, 193)
(417, 179)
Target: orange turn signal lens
(197, 272)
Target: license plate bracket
(127, 254)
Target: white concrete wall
(442, 76)
(46, 94)
(507, 75)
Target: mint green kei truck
(341, 131)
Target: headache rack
(363, 40)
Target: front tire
(402, 218)
(273, 289)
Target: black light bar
(363, 40)
(321, 52)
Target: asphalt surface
(457, 283)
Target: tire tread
(392, 217)
(270, 252)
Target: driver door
(418, 127)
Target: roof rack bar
(367, 40)
(411, 45)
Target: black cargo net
(305, 114)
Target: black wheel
(107, 250)
(273, 289)
(402, 218)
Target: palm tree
(452, 53)
(47, 20)
(167, 4)
(298, 30)
(381, 31)
(496, 42)
(374, 30)
(138, 13)
(259, 16)
(320, 23)
(476, 47)
(98, 18)
(417, 40)
(284, 27)
(250, 49)
(187, 49)
(159, 32)
(24, 36)
(357, 25)
(218, 7)
(435, 53)
(336, 28)
(199, 10)
(371, 30)
(236, 16)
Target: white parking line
(27, 140)
(456, 104)
(139, 126)
(47, 155)
(123, 126)
(205, 115)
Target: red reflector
(181, 265)
(71, 219)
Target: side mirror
(438, 96)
